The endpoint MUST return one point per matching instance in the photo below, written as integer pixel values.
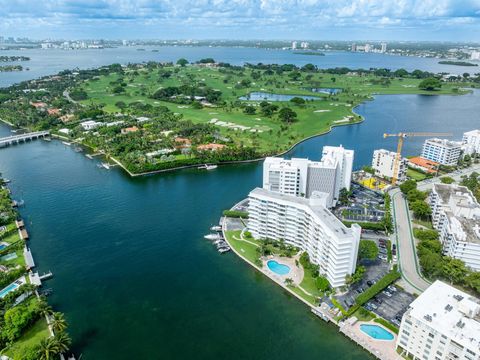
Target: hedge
(377, 287)
(387, 324)
(366, 225)
(235, 214)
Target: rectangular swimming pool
(8, 289)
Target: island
(154, 116)
(313, 53)
(457, 63)
(9, 68)
(13, 58)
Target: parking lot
(375, 270)
(390, 304)
(365, 205)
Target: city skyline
(404, 20)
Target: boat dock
(16, 139)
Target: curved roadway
(403, 236)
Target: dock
(28, 258)
(17, 139)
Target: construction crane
(401, 136)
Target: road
(403, 236)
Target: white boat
(224, 250)
(47, 139)
(216, 228)
(220, 242)
(207, 167)
(89, 156)
(106, 165)
(212, 237)
(66, 143)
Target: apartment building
(383, 162)
(456, 215)
(443, 323)
(442, 151)
(309, 225)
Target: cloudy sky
(243, 19)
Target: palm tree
(47, 349)
(44, 308)
(58, 322)
(62, 341)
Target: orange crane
(401, 136)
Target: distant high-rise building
(302, 177)
(304, 45)
(475, 55)
(354, 47)
(368, 48)
(384, 48)
(124, 42)
(471, 142)
(294, 45)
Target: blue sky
(243, 19)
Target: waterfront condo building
(443, 323)
(442, 151)
(383, 162)
(471, 142)
(456, 215)
(308, 225)
(302, 177)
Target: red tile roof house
(38, 105)
(210, 147)
(53, 111)
(129, 130)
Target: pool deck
(296, 272)
(381, 349)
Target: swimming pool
(376, 332)
(7, 289)
(278, 268)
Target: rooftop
(444, 143)
(313, 203)
(450, 311)
(462, 210)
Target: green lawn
(312, 300)
(308, 283)
(314, 117)
(363, 314)
(29, 339)
(415, 175)
(249, 251)
(427, 224)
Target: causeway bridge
(16, 139)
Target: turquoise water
(376, 332)
(259, 96)
(277, 268)
(6, 290)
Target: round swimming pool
(278, 268)
(376, 332)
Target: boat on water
(106, 166)
(47, 139)
(216, 228)
(207, 167)
(224, 249)
(16, 203)
(78, 149)
(66, 143)
(213, 237)
(6, 181)
(220, 242)
(89, 156)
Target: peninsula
(156, 116)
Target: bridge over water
(16, 139)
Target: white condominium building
(456, 215)
(302, 177)
(471, 142)
(383, 162)
(442, 151)
(441, 324)
(309, 225)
